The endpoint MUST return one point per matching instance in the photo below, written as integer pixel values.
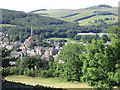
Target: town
(25, 51)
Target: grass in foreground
(50, 82)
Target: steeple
(32, 34)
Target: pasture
(70, 15)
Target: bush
(21, 71)
(13, 71)
(45, 73)
(9, 71)
(50, 73)
(32, 73)
(36, 72)
(5, 72)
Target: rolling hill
(18, 24)
(86, 16)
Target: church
(30, 39)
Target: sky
(30, 5)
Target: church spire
(32, 34)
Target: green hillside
(79, 15)
(18, 24)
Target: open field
(7, 25)
(69, 40)
(70, 15)
(52, 82)
(91, 21)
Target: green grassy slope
(72, 15)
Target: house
(9, 47)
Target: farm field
(50, 82)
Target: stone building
(47, 53)
(54, 51)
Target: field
(81, 13)
(52, 82)
(7, 25)
(69, 40)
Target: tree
(105, 38)
(51, 61)
(71, 68)
(115, 30)
(5, 62)
(70, 34)
(78, 37)
(101, 64)
(5, 59)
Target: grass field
(51, 82)
(69, 40)
(92, 19)
(82, 13)
(7, 25)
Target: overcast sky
(30, 5)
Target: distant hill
(85, 16)
(103, 5)
(44, 27)
(99, 6)
(18, 24)
(38, 10)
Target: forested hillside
(18, 24)
(43, 27)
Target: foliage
(105, 38)
(71, 68)
(32, 62)
(9, 71)
(89, 38)
(116, 32)
(5, 59)
(43, 27)
(99, 66)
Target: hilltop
(87, 16)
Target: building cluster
(24, 51)
(44, 52)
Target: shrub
(5, 72)
(21, 71)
